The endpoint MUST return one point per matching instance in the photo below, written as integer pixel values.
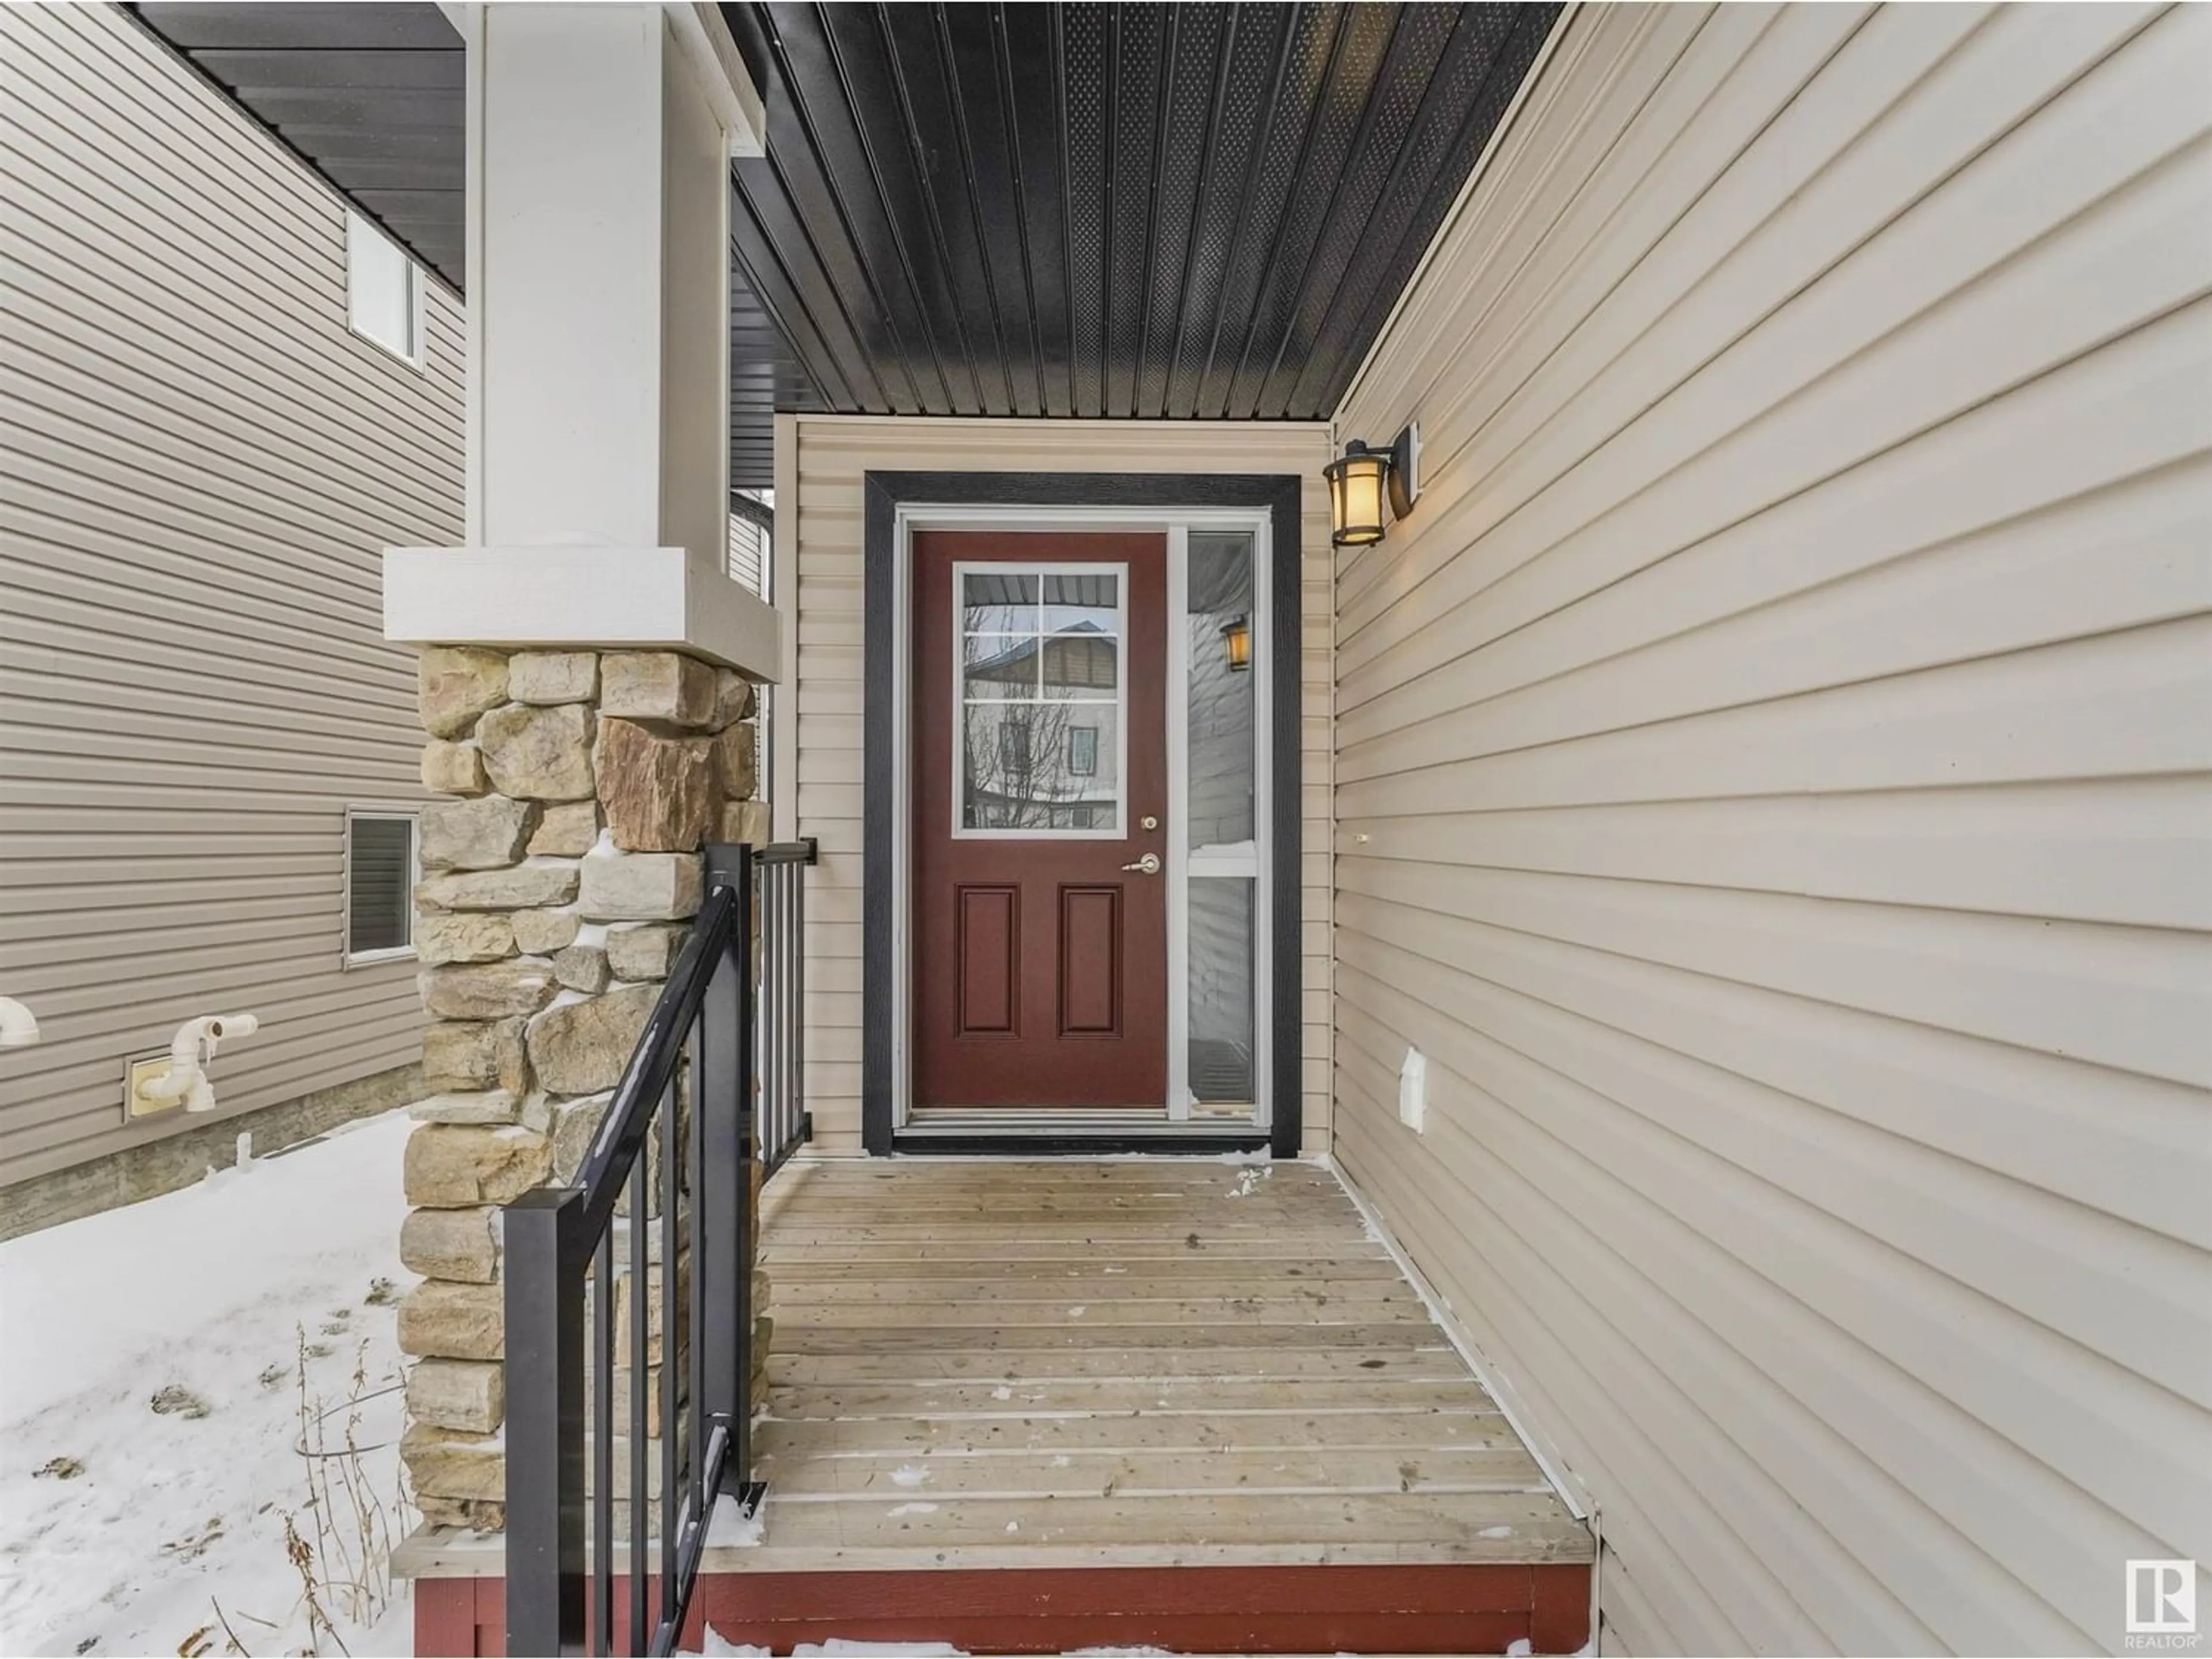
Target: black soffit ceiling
(1186, 211)
(368, 96)
(1199, 210)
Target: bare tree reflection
(1036, 757)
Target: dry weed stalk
(237, 1647)
(347, 1568)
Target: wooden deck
(1033, 1407)
(1059, 1367)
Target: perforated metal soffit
(1186, 212)
(1189, 211)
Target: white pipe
(17, 1028)
(190, 1050)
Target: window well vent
(380, 885)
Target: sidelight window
(1220, 813)
(1042, 700)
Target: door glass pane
(1000, 602)
(1221, 991)
(1082, 665)
(1223, 752)
(1082, 603)
(994, 666)
(1040, 737)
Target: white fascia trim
(639, 598)
(706, 42)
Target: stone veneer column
(558, 880)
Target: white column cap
(640, 598)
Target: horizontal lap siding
(833, 456)
(199, 462)
(1772, 769)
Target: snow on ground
(123, 1524)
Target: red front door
(1040, 750)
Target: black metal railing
(786, 1125)
(715, 1084)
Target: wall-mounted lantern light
(1362, 479)
(1236, 636)
(1355, 495)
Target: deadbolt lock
(1149, 822)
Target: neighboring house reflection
(1041, 743)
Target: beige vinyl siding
(833, 455)
(199, 462)
(1773, 768)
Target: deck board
(1156, 1397)
(1116, 1362)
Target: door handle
(1149, 865)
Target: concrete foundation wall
(133, 1173)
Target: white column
(599, 139)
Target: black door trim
(885, 492)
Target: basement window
(379, 887)
(383, 291)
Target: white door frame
(1177, 524)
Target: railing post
(544, 1256)
(802, 1126)
(725, 1105)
